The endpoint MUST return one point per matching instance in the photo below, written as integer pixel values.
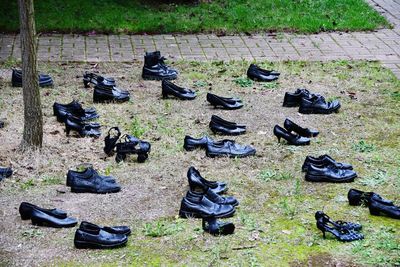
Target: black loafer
(102, 82)
(294, 99)
(120, 230)
(224, 102)
(324, 161)
(86, 174)
(191, 143)
(219, 125)
(358, 197)
(16, 79)
(41, 218)
(318, 105)
(292, 139)
(378, 208)
(196, 181)
(196, 205)
(62, 111)
(329, 174)
(98, 238)
(82, 128)
(5, 172)
(155, 69)
(105, 95)
(293, 127)
(258, 74)
(230, 149)
(26, 209)
(214, 197)
(168, 88)
(214, 227)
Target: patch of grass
(28, 184)
(218, 16)
(32, 233)
(244, 82)
(377, 178)
(268, 175)
(163, 227)
(200, 83)
(271, 85)
(52, 180)
(136, 127)
(363, 147)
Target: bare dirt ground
(275, 223)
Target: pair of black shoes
(16, 79)
(343, 231)
(203, 201)
(5, 172)
(220, 148)
(155, 68)
(46, 217)
(168, 88)
(90, 235)
(105, 89)
(88, 180)
(76, 118)
(256, 73)
(127, 145)
(310, 103)
(376, 204)
(221, 126)
(326, 169)
(224, 102)
(294, 134)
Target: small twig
(244, 247)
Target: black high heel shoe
(338, 224)
(214, 227)
(292, 139)
(293, 127)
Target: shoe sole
(157, 78)
(189, 214)
(316, 178)
(318, 111)
(84, 244)
(85, 190)
(214, 155)
(49, 224)
(225, 133)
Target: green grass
(112, 16)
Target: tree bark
(33, 120)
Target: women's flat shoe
(168, 88)
(213, 226)
(224, 102)
(317, 105)
(100, 81)
(191, 143)
(221, 126)
(294, 99)
(82, 128)
(26, 209)
(329, 174)
(324, 161)
(258, 74)
(121, 230)
(155, 68)
(110, 94)
(196, 181)
(292, 139)
(293, 127)
(96, 237)
(16, 79)
(41, 218)
(230, 149)
(378, 208)
(358, 197)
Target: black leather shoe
(378, 208)
(168, 88)
(258, 74)
(324, 161)
(338, 224)
(199, 206)
(102, 82)
(292, 139)
(294, 99)
(229, 148)
(95, 237)
(329, 174)
(120, 230)
(5, 172)
(131, 145)
(86, 174)
(341, 234)
(16, 79)
(113, 94)
(196, 181)
(61, 111)
(155, 69)
(110, 141)
(318, 105)
(90, 181)
(214, 227)
(82, 128)
(191, 143)
(41, 218)
(219, 125)
(224, 102)
(214, 197)
(357, 198)
(26, 209)
(293, 127)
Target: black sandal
(132, 145)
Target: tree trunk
(33, 121)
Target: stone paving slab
(382, 45)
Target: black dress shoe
(378, 208)
(96, 237)
(26, 209)
(214, 227)
(168, 88)
(342, 234)
(199, 206)
(329, 174)
(91, 182)
(257, 74)
(294, 99)
(324, 161)
(16, 79)
(214, 197)
(196, 181)
(82, 128)
(62, 111)
(41, 218)
(338, 224)
(191, 143)
(219, 125)
(110, 94)
(155, 69)
(224, 102)
(121, 230)
(292, 139)
(357, 197)
(131, 145)
(5, 172)
(293, 127)
(106, 82)
(229, 148)
(86, 173)
(318, 105)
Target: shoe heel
(67, 130)
(279, 139)
(323, 234)
(186, 214)
(37, 222)
(164, 95)
(86, 83)
(25, 217)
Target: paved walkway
(383, 45)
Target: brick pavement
(382, 45)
